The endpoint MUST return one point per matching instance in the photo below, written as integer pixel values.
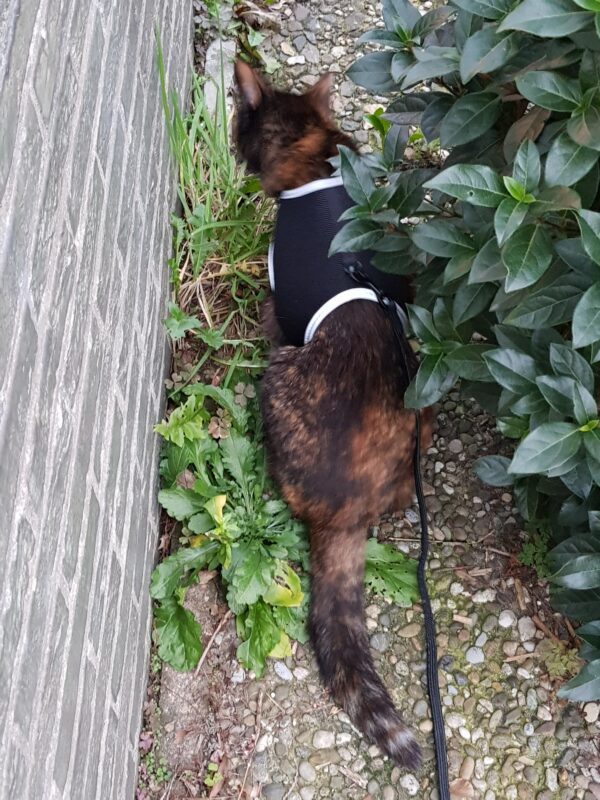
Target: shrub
(504, 242)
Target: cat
(339, 440)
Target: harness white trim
(312, 186)
(360, 293)
(271, 265)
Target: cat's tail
(339, 638)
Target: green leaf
(355, 236)
(292, 619)
(546, 18)
(470, 117)
(409, 191)
(584, 125)
(493, 470)
(382, 37)
(589, 71)
(467, 362)
(285, 589)
(582, 606)
(568, 161)
(552, 446)
(558, 392)
(177, 634)
(586, 318)
(572, 252)
(421, 321)
(470, 300)
(590, 633)
(487, 265)
(167, 576)
(488, 9)
(400, 13)
(358, 180)
(373, 72)
(210, 337)
(584, 406)
(582, 572)
(507, 219)
(556, 198)
(513, 370)
(552, 305)
(262, 634)
(390, 573)
(458, 266)
(178, 322)
(486, 51)
(432, 62)
(185, 422)
(238, 454)
(478, 185)
(394, 145)
(589, 224)
(432, 380)
(565, 361)
(585, 686)
(517, 190)
(441, 239)
(249, 575)
(550, 90)
(434, 114)
(180, 503)
(591, 440)
(527, 168)
(526, 255)
(512, 427)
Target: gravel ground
(280, 737)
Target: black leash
(433, 685)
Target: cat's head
(285, 138)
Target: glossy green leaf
(487, 265)
(508, 218)
(409, 191)
(565, 361)
(513, 370)
(356, 235)
(488, 9)
(527, 168)
(431, 382)
(577, 605)
(467, 362)
(441, 239)
(558, 392)
(526, 255)
(568, 161)
(399, 12)
(373, 72)
(421, 321)
(591, 440)
(585, 686)
(470, 117)
(590, 633)
(582, 572)
(584, 125)
(177, 634)
(589, 224)
(493, 470)
(432, 62)
(470, 300)
(546, 18)
(478, 185)
(550, 90)
(586, 318)
(358, 179)
(552, 446)
(584, 405)
(485, 52)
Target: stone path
(508, 736)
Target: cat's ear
(320, 95)
(250, 84)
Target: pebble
(507, 619)
(408, 631)
(456, 446)
(475, 655)
(323, 740)
(292, 60)
(380, 642)
(307, 772)
(484, 596)
(282, 671)
(410, 784)
(273, 791)
(527, 629)
(591, 712)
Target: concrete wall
(86, 189)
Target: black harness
(308, 284)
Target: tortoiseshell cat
(338, 438)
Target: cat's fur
(339, 440)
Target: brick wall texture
(86, 191)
